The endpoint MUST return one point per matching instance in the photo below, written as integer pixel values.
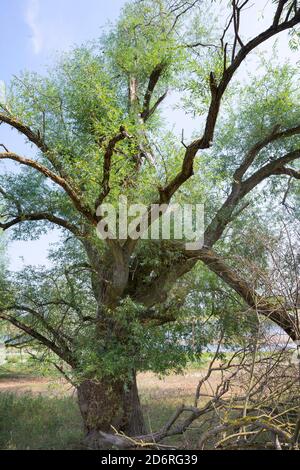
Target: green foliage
(54, 301)
(77, 109)
(269, 100)
(22, 363)
(134, 346)
(142, 38)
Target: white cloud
(32, 20)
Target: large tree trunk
(109, 404)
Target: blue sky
(34, 31)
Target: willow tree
(97, 132)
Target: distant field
(40, 412)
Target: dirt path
(176, 386)
(18, 383)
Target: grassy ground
(38, 410)
(38, 422)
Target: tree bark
(108, 404)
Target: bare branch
(154, 107)
(240, 189)
(5, 148)
(32, 136)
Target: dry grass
(41, 412)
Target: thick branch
(107, 164)
(155, 106)
(276, 313)
(39, 337)
(153, 81)
(216, 264)
(217, 92)
(288, 172)
(84, 210)
(242, 188)
(33, 137)
(279, 10)
(273, 168)
(272, 137)
(34, 217)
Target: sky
(34, 32)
